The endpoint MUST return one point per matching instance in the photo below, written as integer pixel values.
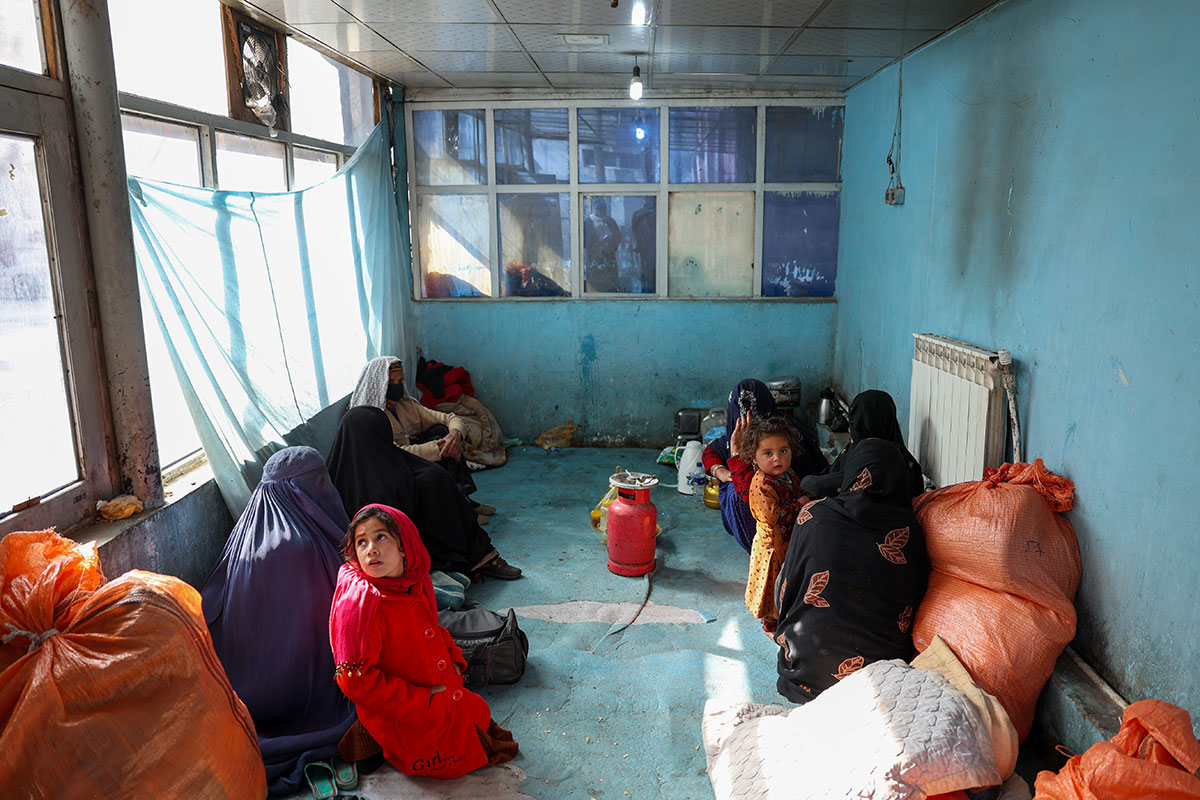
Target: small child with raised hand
(400, 668)
(775, 500)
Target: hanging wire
(894, 180)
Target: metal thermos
(828, 407)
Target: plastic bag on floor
(1005, 569)
(559, 436)
(120, 677)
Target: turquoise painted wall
(1052, 165)
(622, 367)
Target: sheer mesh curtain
(271, 303)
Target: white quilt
(887, 732)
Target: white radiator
(956, 415)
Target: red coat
(407, 652)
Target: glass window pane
(531, 145)
(453, 233)
(710, 244)
(804, 144)
(800, 242)
(21, 39)
(312, 166)
(451, 147)
(328, 100)
(618, 145)
(620, 236)
(713, 145)
(535, 244)
(161, 151)
(170, 51)
(177, 437)
(36, 433)
(247, 164)
(164, 151)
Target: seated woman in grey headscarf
(424, 432)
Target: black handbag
(494, 647)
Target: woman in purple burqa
(267, 607)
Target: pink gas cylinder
(632, 519)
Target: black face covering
(395, 391)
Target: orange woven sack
(1002, 589)
(1155, 754)
(112, 689)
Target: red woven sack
(1005, 569)
(112, 689)
(1155, 754)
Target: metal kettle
(828, 407)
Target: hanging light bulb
(639, 13)
(635, 83)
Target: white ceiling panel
(348, 38)
(453, 37)
(588, 62)
(484, 61)
(589, 12)
(388, 62)
(590, 80)
(679, 80)
(820, 65)
(490, 80)
(420, 80)
(805, 83)
(686, 62)
(441, 11)
(302, 12)
(738, 41)
(924, 14)
(785, 13)
(546, 39)
(858, 42)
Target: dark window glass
(453, 232)
(620, 235)
(451, 147)
(800, 241)
(712, 145)
(535, 244)
(804, 144)
(618, 145)
(532, 146)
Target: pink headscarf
(357, 595)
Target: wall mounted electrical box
(894, 196)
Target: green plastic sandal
(322, 780)
(345, 773)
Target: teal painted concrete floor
(606, 711)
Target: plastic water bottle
(699, 482)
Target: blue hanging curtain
(271, 303)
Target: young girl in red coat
(400, 668)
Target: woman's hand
(722, 473)
(735, 438)
(435, 689)
(450, 445)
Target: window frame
(576, 189)
(37, 109)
